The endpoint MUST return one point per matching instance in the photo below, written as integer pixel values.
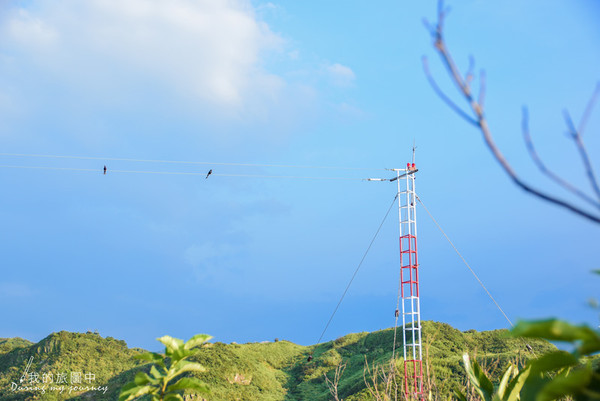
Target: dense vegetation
(255, 371)
(110, 362)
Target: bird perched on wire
(209, 173)
(104, 170)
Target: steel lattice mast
(409, 283)
(408, 293)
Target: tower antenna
(408, 306)
(409, 283)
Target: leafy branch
(554, 375)
(160, 384)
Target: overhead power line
(52, 168)
(110, 171)
(184, 162)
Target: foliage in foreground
(159, 384)
(554, 375)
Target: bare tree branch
(481, 122)
(379, 380)
(333, 385)
(588, 109)
(428, 26)
(482, 84)
(542, 167)
(469, 74)
(444, 97)
(582, 153)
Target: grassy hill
(64, 353)
(8, 344)
(255, 371)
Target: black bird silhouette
(209, 173)
(104, 170)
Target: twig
(482, 87)
(588, 109)
(542, 167)
(582, 153)
(469, 74)
(333, 385)
(444, 97)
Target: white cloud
(205, 49)
(340, 74)
(28, 30)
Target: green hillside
(107, 360)
(254, 372)
(8, 344)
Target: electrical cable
(356, 271)
(528, 347)
(52, 168)
(182, 173)
(183, 162)
(466, 264)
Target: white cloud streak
(341, 75)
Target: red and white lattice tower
(409, 282)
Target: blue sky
(340, 84)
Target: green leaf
(155, 373)
(554, 330)
(187, 366)
(505, 380)
(554, 361)
(513, 391)
(196, 341)
(126, 389)
(172, 344)
(571, 384)
(132, 392)
(589, 347)
(478, 379)
(189, 383)
(142, 379)
(460, 395)
(151, 357)
(596, 271)
(181, 354)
